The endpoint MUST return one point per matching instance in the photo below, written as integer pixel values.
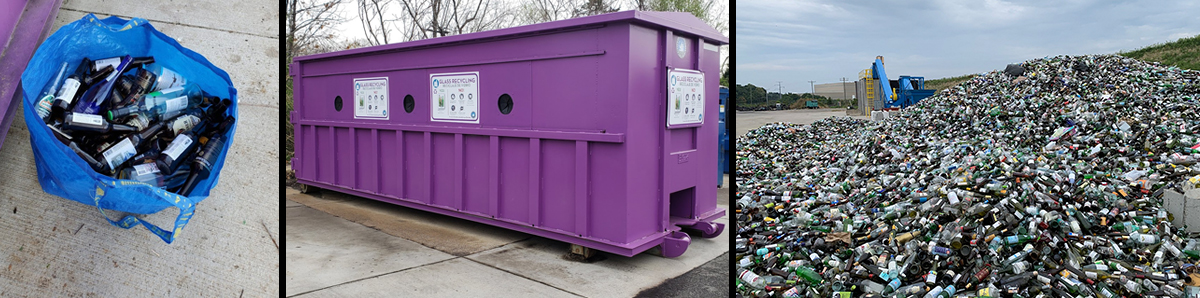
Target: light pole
(844, 88)
(779, 84)
(810, 86)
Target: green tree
(790, 98)
(749, 95)
(595, 7)
(704, 9)
(725, 74)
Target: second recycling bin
(723, 140)
(596, 131)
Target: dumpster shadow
(451, 235)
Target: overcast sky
(795, 41)
(352, 28)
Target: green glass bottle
(812, 277)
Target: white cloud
(1179, 35)
(824, 40)
(980, 14)
(765, 66)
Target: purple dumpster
(598, 131)
(23, 24)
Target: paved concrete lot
(340, 245)
(749, 120)
(59, 248)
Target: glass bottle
(93, 124)
(47, 99)
(118, 153)
(70, 92)
(205, 159)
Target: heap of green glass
(1044, 183)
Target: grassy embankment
(1183, 53)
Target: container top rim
(680, 21)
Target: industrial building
(837, 90)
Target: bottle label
(119, 153)
(184, 123)
(177, 146)
(43, 106)
(176, 104)
(88, 119)
(145, 169)
(795, 292)
(68, 90)
(115, 62)
(169, 79)
(895, 283)
(100, 64)
(137, 121)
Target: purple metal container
(23, 24)
(597, 131)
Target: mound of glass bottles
(131, 118)
(1044, 180)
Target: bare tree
(641, 4)
(437, 18)
(374, 24)
(541, 11)
(421, 19)
(310, 25)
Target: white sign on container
(685, 97)
(371, 98)
(454, 97)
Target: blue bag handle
(185, 206)
(115, 25)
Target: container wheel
(709, 229)
(675, 244)
(305, 188)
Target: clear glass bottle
(47, 99)
(162, 104)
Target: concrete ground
(340, 245)
(749, 120)
(59, 248)
(700, 282)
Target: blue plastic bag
(63, 173)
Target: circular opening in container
(409, 103)
(505, 104)
(337, 103)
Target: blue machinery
(907, 90)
